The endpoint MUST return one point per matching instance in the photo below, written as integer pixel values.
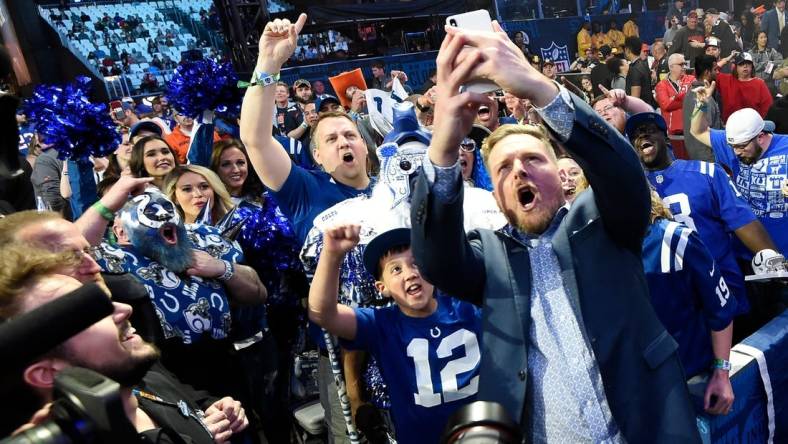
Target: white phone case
(478, 20)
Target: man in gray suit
(572, 348)
(773, 22)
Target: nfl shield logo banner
(558, 54)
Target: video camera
(87, 409)
(481, 422)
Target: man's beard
(176, 258)
(537, 220)
(128, 372)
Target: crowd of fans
(211, 299)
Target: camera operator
(156, 404)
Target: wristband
(105, 212)
(721, 364)
(304, 125)
(262, 78)
(229, 270)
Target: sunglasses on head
(468, 145)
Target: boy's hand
(341, 239)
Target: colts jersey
(431, 365)
(702, 197)
(687, 291)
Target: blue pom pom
(66, 119)
(205, 85)
(377, 390)
(269, 244)
(479, 174)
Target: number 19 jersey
(431, 364)
(701, 196)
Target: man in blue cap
(701, 196)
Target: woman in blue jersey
(427, 345)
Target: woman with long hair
(765, 60)
(230, 162)
(192, 188)
(152, 156)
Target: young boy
(427, 345)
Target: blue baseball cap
(382, 244)
(636, 120)
(325, 98)
(406, 126)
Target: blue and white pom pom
(204, 85)
(65, 118)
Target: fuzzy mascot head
(155, 229)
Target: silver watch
(229, 271)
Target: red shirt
(737, 94)
(670, 98)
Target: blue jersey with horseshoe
(190, 308)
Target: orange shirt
(179, 142)
(599, 39)
(616, 38)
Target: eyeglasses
(468, 145)
(741, 146)
(606, 109)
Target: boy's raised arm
(324, 310)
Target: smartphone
(478, 20)
(116, 107)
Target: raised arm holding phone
(553, 311)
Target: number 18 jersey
(431, 364)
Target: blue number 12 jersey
(431, 365)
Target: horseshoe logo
(435, 332)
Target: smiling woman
(151, 156)
(193, 188)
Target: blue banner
(416, 65)
(554, 38)
(563, 31)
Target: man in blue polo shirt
(340, 149)
(701, 196)
(302, 194)
(757, 158)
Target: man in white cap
(757, 158)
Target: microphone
(34, 333)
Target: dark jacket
(598, 245)
(172, 425)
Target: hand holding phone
(478, 20)
(116, 108)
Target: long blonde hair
(222, 203)
(658, 208)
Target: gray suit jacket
(598, 245)
(771, 26)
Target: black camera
(87, 409)
(481, 422)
